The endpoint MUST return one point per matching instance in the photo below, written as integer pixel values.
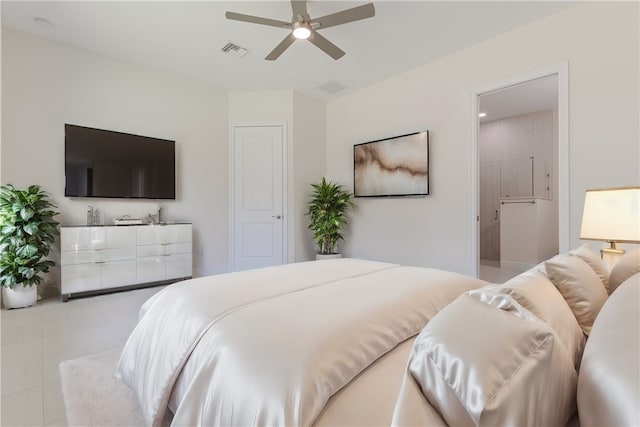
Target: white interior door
(258, 205)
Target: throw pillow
(628, 265)
(580, 286)
(486, 360)
(594, 260)
(535, 292)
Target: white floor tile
(27, 313)
(496, 274)
(23, 351)
(123, 322)
(36, 339)
(50, 371)
(75, 318)
(76, 343)
(21, 376)
(53, 404)
(16, 329)
(23, 409)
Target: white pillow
(626, 267)
(535, 292)
(580, 286)
(486, 360)
(594, 260)
(608, 389)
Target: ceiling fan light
(301, 30)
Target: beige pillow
(580, 286)
(594, 260)
(626, 267)
(535, 292)
(486, 360)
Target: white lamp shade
(612, 215)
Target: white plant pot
(328, 256)
(19, 296)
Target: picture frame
(392, 167)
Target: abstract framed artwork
(397, 166)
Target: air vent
(233, 49)
(332, 87)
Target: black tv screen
(102, 163)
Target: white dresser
(103, 258)
(163, 252)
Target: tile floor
(495, 274)
(35, 340)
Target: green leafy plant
(327, 214)
(27, 231)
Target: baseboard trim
(67, 297)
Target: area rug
(94, 397)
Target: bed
(313, 343)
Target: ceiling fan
(303, 27)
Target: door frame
(561, 70)
(232, 187)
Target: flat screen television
(102, 163)
(397, 166)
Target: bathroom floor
(492, 272)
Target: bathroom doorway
(519, 175)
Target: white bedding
(370, 398)
(271, 346)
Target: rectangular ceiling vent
(233, 49)
(332, 87)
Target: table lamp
(612, 215)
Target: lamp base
(611, 255)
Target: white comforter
(270, 346)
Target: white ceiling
(185, 37)
(530, 97)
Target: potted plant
(27, 231)
(327, 211)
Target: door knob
(276, 216)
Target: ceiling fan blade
(354, 14)
(325, 45)
(299, 8)
(284, 44)
(257, 20)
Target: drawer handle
(99, 262)
(166, 255)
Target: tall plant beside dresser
(27, 231)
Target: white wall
(47, 84)
(600, 41)
(306, 135)
(310, 131)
